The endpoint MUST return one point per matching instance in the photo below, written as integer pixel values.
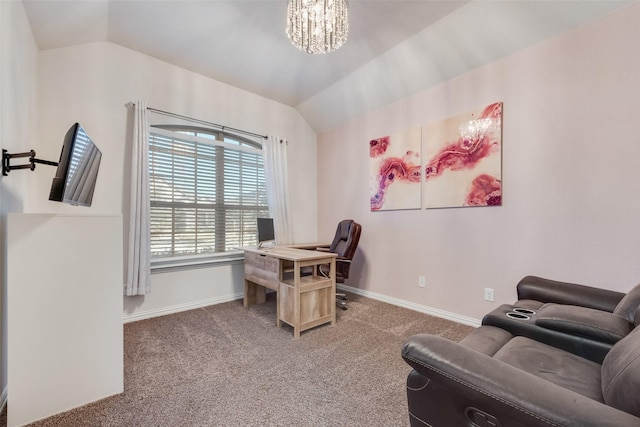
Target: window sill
(165, 265)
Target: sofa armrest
(499, 390)
(546, 290)
(586, 322)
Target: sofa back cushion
(629, 304)
(621, 374)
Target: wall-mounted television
(75, 178)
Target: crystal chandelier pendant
(317, 26)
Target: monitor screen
(77, 171)
(266, 232)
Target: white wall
(571, 177)
(18, 121)
(44, 93)
(91, 84)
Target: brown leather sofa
(554, 368)
(583, 320)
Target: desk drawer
(263, 262)
(261, 269)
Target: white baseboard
(413, 306)
(178, 308)
(373, 295)
(3, 399)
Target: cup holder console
(516, 314)
(520, 313)
(524, 310)
(519, 316)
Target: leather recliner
(563, 354)
(493, 378)
(580, 319)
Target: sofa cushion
(586, 322)
(621, 374)
(486, 339)
(549, 363)
(528, 303)
(629, 304)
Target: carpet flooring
(224, 365)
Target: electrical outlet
(488, 294)
(422, 281)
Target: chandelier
(317, 26)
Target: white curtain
(139, 262)
(275, 171)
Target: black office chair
(344, 245)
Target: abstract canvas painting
(394, 171)
(463, 160)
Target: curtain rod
(222, 127)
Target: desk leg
(278, 321)
(249, 293)
(332, 274)
(253, 294)
(296, 299)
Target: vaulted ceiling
(395, 47)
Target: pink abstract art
(395, 171)
(463, 160)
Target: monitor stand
(267, 244)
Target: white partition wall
(64, 292)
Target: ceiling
(397, 46)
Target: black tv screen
(77, 171)
(266, 232)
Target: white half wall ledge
(64, 313)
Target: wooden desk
(303, 302)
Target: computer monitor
(266, 232)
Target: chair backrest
(345, 244)
(621, 374)
(629, 304)
(346, 239)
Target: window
(207, 188)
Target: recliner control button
(481, 419)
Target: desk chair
(344, 245)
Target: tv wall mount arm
(6, 161)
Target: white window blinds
(206, 190)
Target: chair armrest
(323, 249)
(512, 396)
(585, 322)
(546, 290)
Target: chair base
(341, 301)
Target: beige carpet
(227, 366)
